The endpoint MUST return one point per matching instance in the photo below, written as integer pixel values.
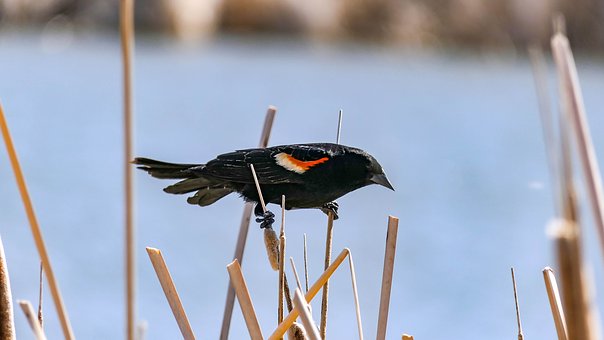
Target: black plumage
(309, 175)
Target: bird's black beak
(382, 180)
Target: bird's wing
(275, 165)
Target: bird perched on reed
(309, 175)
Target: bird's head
(376, 173)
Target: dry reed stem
(245, 301)
(555, 302)
(7, 321)
(41, 286)
(305, 264)
(574, 108)
(167, 284)
(30, 315)
(357, 306)
(298, 284)
(243, 231)
(127, 38)
(520, 335)
(387, 277)
(300, 304)
(312, 292)
(35, 230)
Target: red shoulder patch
(292, 164)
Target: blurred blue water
(458, 135)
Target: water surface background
(458, 134)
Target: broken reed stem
(520, 335)
(245, 301)
(387, 277)
(167, 284)
(30, 315)
(357, 306)
(298, 284)
(305, 264)
(312, 292)
(7, 320)
(574, 108)
(555, 302)
(41, 286)
(35, 230)
(324, 297)
(243, 231)
(305, 316)
(281, 262)
(127, 38)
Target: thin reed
(518, 321)
(357, 305)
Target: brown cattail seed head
(271, 241)
(296, 332)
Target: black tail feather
(166, 170)
(209, 189)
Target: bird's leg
(331, 207)
(266, 219)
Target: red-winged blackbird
(309, 175)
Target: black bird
(309, 175)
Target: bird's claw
(331, 207)
(266, 220)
